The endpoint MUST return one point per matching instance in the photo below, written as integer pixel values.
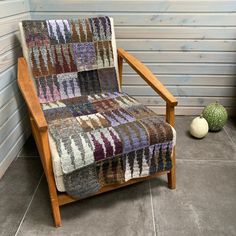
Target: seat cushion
(112, 133)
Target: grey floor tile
(203, 203)
(123, 212)
(16, 190)
(230, 128)
(29, 149)
(216, 145)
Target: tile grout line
(27, 156)
(229, 136)
(153, 215)
(27, 209)
(205, 160)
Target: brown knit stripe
(104, 54)
(92, 122)
(110, 171)
(104, 105)
(158, 130)
(140, 111)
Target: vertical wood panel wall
(14, 128)
(189, 44)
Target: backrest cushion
(70, 58)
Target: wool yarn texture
(103, 136)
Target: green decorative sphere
(216, 116)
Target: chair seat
(122, 138)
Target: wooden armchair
(40, 128)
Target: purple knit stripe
(118, 117)
(106, 147)
(56, 93)
(111, 95)
(128, 117)
(162, 145)
(119, 94)
(107, 143)
(98, 149)
(144, 142)
(135, 142)
(112, 120)
(88, 56)
(127, 144)
(75, 47)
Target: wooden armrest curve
(27, 89)
(148, 76)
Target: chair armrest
(28, 91)
(148, 76)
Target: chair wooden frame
(40, 128)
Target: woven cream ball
(199, 127)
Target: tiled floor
(204, 202)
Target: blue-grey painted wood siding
(189, 45)
(14, 126)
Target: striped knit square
(158, 130)
(107, 79)
(105, 105)
(118, 117)
(101, 28)
(89, 82)
(63, 56)
(126, 101)
(48, 89)
(59, 31)
(82, 109)
(52, 105)
(36, 33)
(106, 143)
(41, 61)
(57, 114)
(140, 111)
(85, 56)
(133, 136)
(93, 122)
(137, 163)
(103, 96)
(111, 171)
(69, 86)
(81, 31)
(104, 54)
(82, 182)
(160, 157)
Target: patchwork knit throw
(102, 136)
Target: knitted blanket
(101, 135)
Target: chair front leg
(170, 118)
(41, 139)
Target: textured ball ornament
(198, 127)
(216, 116)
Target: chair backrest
(71, 58)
